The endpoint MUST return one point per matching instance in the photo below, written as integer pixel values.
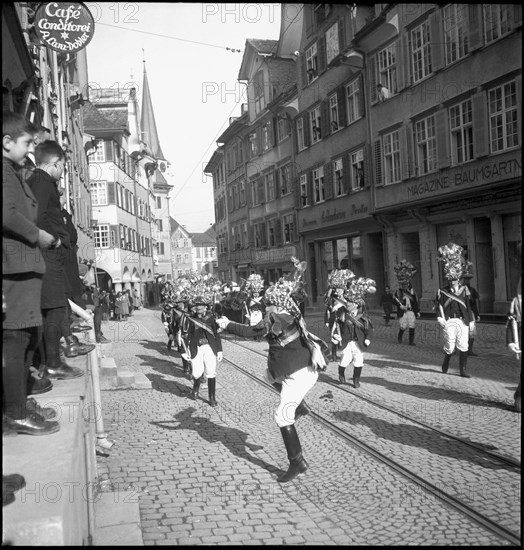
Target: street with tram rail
(412, 457)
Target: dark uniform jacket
(406, 298)
(197, 336)
(350, 328)
(288, 351)
(71, 258)
(455, 308)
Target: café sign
(64, 26)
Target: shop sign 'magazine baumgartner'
(64, 26)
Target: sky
(192, 79)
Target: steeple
(147, 122)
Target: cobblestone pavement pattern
(206, 475)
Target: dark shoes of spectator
(11, 484)
(37, 385)
(63, 372)
(80, 328)
(47, 413)
(32, 424)
(101, 339)
(74, 347)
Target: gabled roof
(104, 119)
(175, 226)
(204, 239)
(263, 45)
(255, 46)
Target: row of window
(104, 193)
(121, 236)
(108, 150)
(274, 232)
(451, 136)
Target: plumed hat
(288, 291)
(359, 288)
(254, 284)
(202, 289)
(404, 271)
(451, 256)
(339, 278)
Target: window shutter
(361, 103)
(378, 162)
(321, 54)
(108, 149)
(113, 236)
(328, 180)
(436, 36)
(305, 122)
(442, 135)
(276, 179)
(259, 140)
(480, 125)
(475, 26)
(517, 16)
(402, 60)
(324, 119)
(341, 103)
(110, 192)
(346, 174)
(302, 61)
(373, 79)
(406, 154)
(341, 34)
(278, 232)
(274, 126)
(367, 165)
(251, 235)
(310, 187)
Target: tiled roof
(103, 119)
(263, 45)
(203, 239)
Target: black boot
(412, 337)
(463, 360)
(356, 376)
(211, 387)
(60, 370)
(341, 374)
(297, 463)
(196, 387)
(334, 356)
(470, 347)
(400, 333)
(445, 363)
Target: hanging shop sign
(64, 26)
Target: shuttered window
(503, 117)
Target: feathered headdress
(254, 284)
(340, 278)
(451, 256)
(288, 291)
(359, 288)
(404, 271)
(202, 289)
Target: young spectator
(382, 92)
(22, 271)
(386, 301)
(50, 162)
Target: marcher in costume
(453, 308)
(406, 300)
(513, 338)
(204, 341)
(295, 356)
(254, 305)
(474, 300)
(334, 315)
(357, 326)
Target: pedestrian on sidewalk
(386, 301)
(514, 339)
(407, 301)
(453, 307)
(474, 302)
(295, 356)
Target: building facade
(181, 249)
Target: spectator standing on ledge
(22, 272)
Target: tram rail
(478, 517)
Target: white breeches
(352, 354)
(205, 361)
(456, 333)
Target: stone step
(117, 520)
(112, 377)
(108, 367)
